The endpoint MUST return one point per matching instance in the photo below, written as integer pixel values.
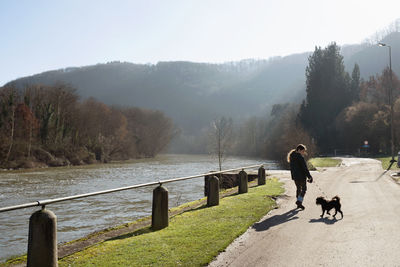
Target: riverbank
(195, 235)
(76, 219)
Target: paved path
(368, 235)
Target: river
(77, 218)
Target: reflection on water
(77, 218)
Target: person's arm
(305, 169)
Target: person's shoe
(300, 205)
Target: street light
(390, 102)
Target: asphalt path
(368, 235)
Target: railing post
(206, 184)
(42, 240)
(213, 191)
(243, 188)
(159, 216)
(261, 176)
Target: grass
(192, 238)
(324, 162)
(386, 162)
(385, 165)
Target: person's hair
(298, 148)
(301, 147)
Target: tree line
(340, 112)
(49, 126)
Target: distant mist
(193, 94)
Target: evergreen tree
(328, 93)
(355, 83)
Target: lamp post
(390, 102)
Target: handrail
(54, 200)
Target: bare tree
(9, 105)
(221, 138)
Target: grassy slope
(325, 162)
(386, 162)
(193, 238)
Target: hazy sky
(41, 35)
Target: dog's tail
(337, 198)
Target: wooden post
(213, 191)
(42, 239)
(261, 176)
(159, 215)
(243, 187)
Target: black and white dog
(327, 205)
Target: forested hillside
(195, 94)
(191, 93)
(49, 126)
(372, 58)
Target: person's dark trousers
(301, 188)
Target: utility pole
(390, 103)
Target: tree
(369, 118)
(355, 83)
(25, 128)
(376, 89)
(328, 93)
(9, 98)
(221, 138)
(250, 137)
(355, 125)
(285, 132)
(149, 131)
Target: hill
(193, 94)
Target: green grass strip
(325, 162)
(386, 162)
(192, 238)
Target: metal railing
(54, 200)
(42, 237)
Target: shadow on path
(390, 166)
(377, 179)
(383, 173)
(325, 220)
(276, 220)
(372, 181)
(360, 182)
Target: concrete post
(206, 184)
(261, 176)
(42, 239)
(213, 191)
(243, 188)
(159, 215)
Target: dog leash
(323, 193)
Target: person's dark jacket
(298, 167)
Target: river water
(77, 218)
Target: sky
(42, 35)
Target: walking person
(300, 173)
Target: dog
(328, 205)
